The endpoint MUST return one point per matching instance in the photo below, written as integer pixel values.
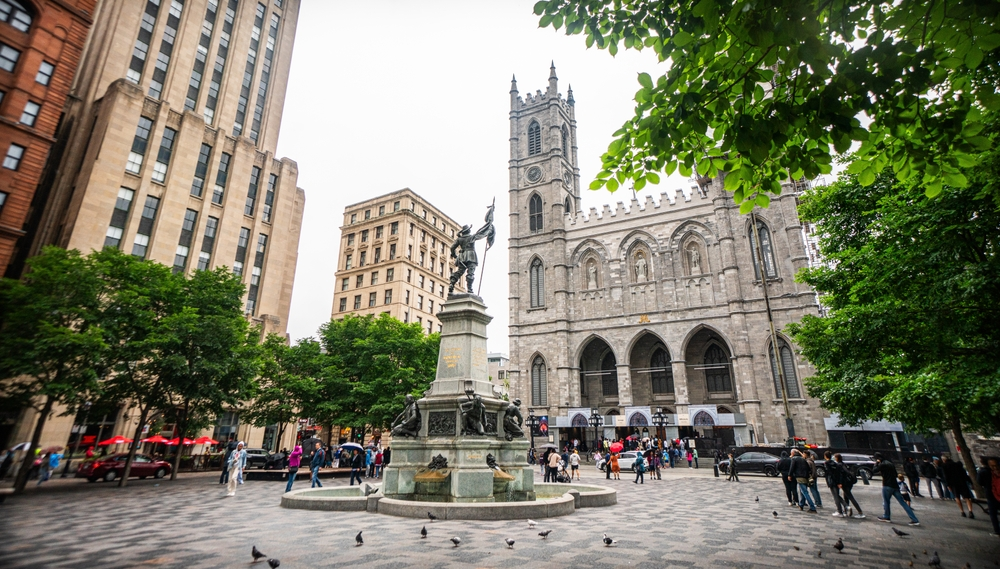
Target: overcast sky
(389, 94)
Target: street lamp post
(76, 444)
(595, 421)
(532, 423)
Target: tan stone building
(394, 258)
(167, 152)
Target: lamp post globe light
(596, 421)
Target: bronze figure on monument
(407, 424)
(466, 260)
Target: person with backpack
(890, 489)
(799, 473)
(845, 482)
(639, 466)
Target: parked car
(855, 463)
(257, 457)
(112, 467)
(626, 460)
(753, 462)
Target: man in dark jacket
(800, 474)
(784, 468)
(890, 489)
(958, 482)
(833, 477)
(989, 478)
(317, 462)
(911, 472)
(357, 465)
(929, 473)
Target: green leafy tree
(50, 345)
(375, 363)
(913, 330)
(768, 90)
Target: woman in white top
(574, 464)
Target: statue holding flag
(466, 259)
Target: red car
(112, 467)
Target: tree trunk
(970, 463)
(281, 435)
(181, 431)
(133, 446)
(29, 456)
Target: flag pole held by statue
(489, 243)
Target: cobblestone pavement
(688, 519)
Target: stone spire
(569, 96)
(553, 90)
(513, 92)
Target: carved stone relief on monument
(441, 424)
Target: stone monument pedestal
(461, 376)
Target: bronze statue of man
(407, 424)
(512, 421)
(466, 259)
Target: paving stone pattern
(688, 519)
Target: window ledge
(538, 309)
(756, 282)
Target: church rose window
(534, 139)
(787, 368)
(717, 370)
(539, 391)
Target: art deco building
(167, 148)
(40, 47)
(395, 258)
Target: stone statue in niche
(591, 275)
(640, 267)
(473, 415)
(513, 421)
(694, 260)
(407, 424)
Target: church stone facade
(654, 306)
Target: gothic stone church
(654, 305)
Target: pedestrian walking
(989, 478)
(784, 469)
(50, 463)
(237, 462)
(904, 489)
(810, 457)
(553, 462)
(639, 466)
(890, 489)
(357, 465)
(799, 473)
(845, 482)
(695, 453)
(317, 462)
(574, 465)
(607, 466)
(911, 472)
(294, 460)
(378, 464)
(657, 464)
(336, 457)
(230, 447)
(689, 457)
(832, 477)
(942, 477)
(369, 462)
(734, 476)
(958, 483)
(929, 473)
(615, 469)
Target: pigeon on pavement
(775, 514)
(935, 560)
(545, 533)
(358, 539)
(456, 540)
(899, 533)
(509, 542)
(274, 563)
(423, 532)
(756, 499)
(257, 555)
(839, 546)
(608, 542)
(532, 524)
(431, 517)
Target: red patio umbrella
(115, 440)
(174, 440)
(205, 441)
(154, 439)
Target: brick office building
(40, 47)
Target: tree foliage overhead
(768, 90)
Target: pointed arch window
(534, 139)
(787, 369)
(609, 376)
(568, 205)
(565, 141)
(537, 274)
(539, 388)
(717, 370)
(535, 213)
(661, 373)
(767, 248)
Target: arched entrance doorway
(598, 375)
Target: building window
(119, 217)
(534, 139)
(787, 369)
(660, 372)
(406, 297)
(381, 210)
(201, 170)
(139, 143)
(30, 113)
(378, 255)
(537, 278)
(272, 182)
(3, 200)
(166, 49)
(388, 296)
(343, 304)
(394, 228)
(539, 388)
(16, 14)
(350, 239)
(359, 281)
(347, 264)
(389, 274)
(364, 235)
(378, 232)
(13, 159)
(357, 302)
(423, 236)
(241, 250)
(717, 370)
(374, 278)
(392, 251)
(420, 302)
(255, 274)
(354, 218)
(164, 154)
(409, 251)
(141, 47)
(184, 245)
(8, 57)
(411, 230)
(220, 60)
(252, 192)
(770, 269)
(430, 306)
(345, 283)
(406, 317)
(535, 213)
(565, 143)
(395, 206)
(200, 56)
(265, 74)
(208, 243)
(409, 274)
(248, 72)
(362, 258)
(221, 177)
(368, 214)
(141, 244)
(421, 258)
(372, 299)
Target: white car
(626, 460)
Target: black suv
(753, 462)
(257, 458)
(855, 463)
